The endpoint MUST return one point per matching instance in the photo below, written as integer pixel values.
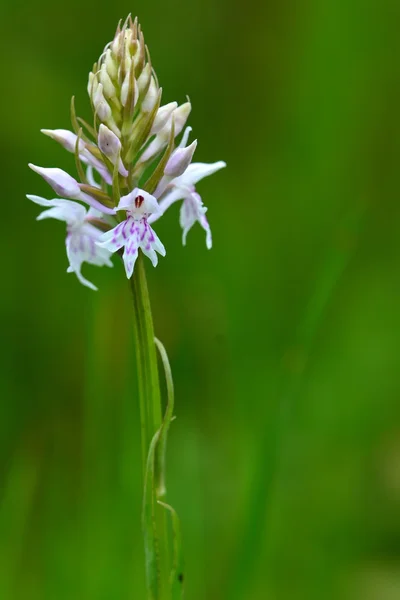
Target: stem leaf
(151, 546)
(169, 413)
(177, 571)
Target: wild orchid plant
(134, 173)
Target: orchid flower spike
(127, 159)
(134, 232)
(81, 235)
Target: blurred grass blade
(16, 505)
(273, 445)
(177, 573)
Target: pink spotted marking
(123, 231)
(143, 233)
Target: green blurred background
(284, 461)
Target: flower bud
(163, 114)
(125, 89)
(110, 145)
(151, 97)
(92, 85)
(66, 186)
(108, 86)
(62, 183)
(179, 160)
(122, 80)
(179, 116)
(101, 106)
(140, 55)
(144, 79)
(66, 138)
(125, 68)
(111, 66)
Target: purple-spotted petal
(151, 244)
(130, 255)
(74, 253)
(133, 234)
(193, 210)
(116, 238)
(93, 253)
(81, 247)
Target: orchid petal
(197, 171)
(133, 234)
(170, 198)
(150, 243)
(82, 247)
(75, 260)
(90, 178)
(193, 210)
(138, 203)
(130, 256)
(61, 182)
(116, 238)
(185, 137)
(101, 105)
(65, 185)
(178, 117)
(162, 117)
(63, 210)
(110, 145)
(180, 160)
(66, 138)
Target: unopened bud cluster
(126, 100)
(132, 147)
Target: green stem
(147, 370)
(155, 523)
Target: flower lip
(132, 234)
